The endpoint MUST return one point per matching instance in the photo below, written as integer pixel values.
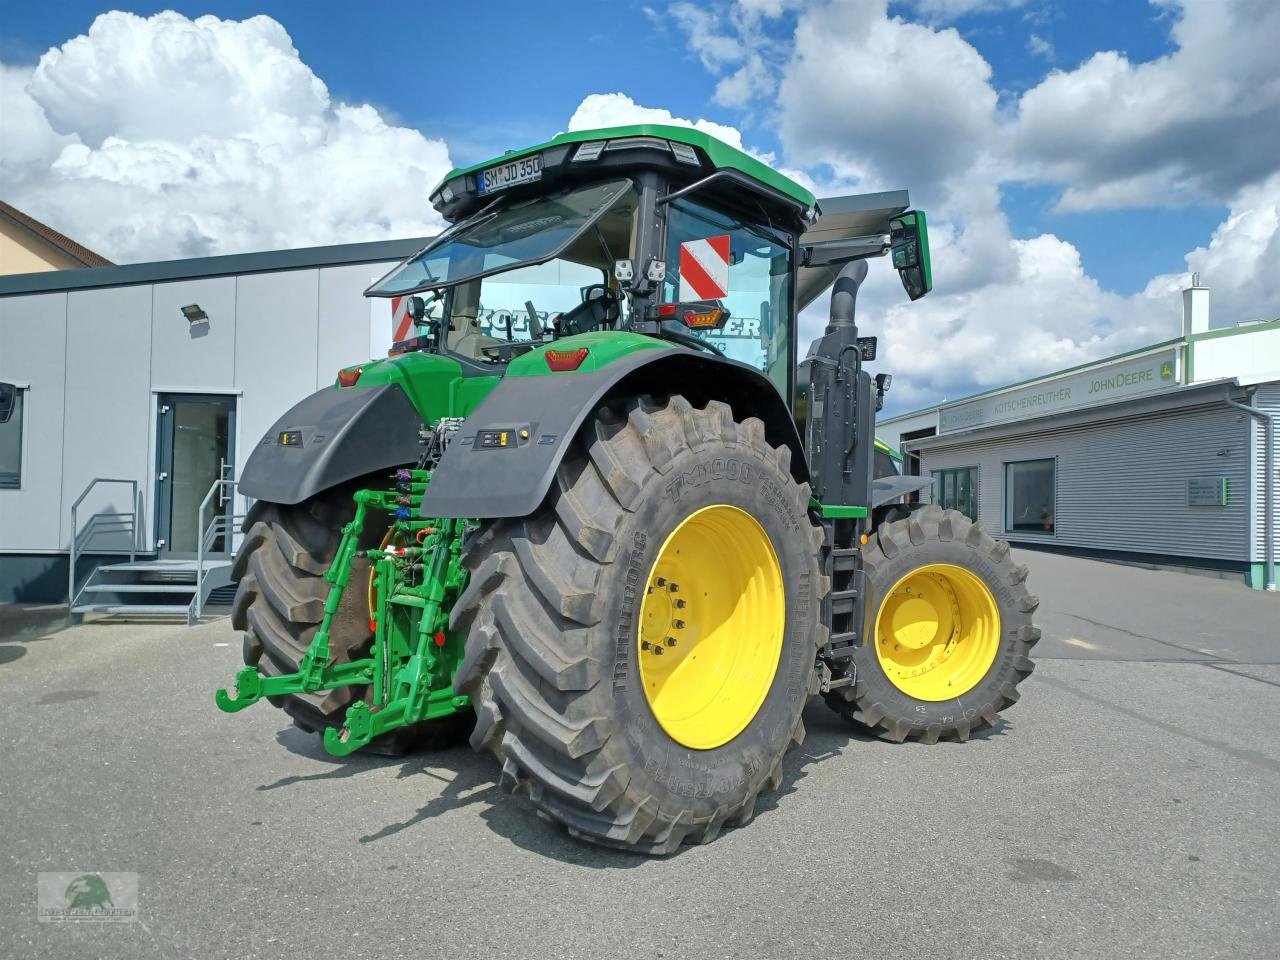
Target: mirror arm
(845, 251)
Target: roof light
(684, 153)
(565, 361)
(349, 376)
(589, 151)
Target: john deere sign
(1122, 380)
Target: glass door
(194, 449)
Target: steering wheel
(600, 307)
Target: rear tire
(933, 547)
(280, 601)
(556, 613)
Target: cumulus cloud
(617, 109)
(1201, 123)
(884, 100)
(163, 137)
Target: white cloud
(163, 137)
(617, 109)
(944, 11)
(885, 101)
(1201, 123)
(1038, 46)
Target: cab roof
(718, 153)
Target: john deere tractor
(595, 510)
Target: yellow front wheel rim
(937, 632)
(711, 626)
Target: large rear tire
(949, 631)
(280, 601)
(670, 534)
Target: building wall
(33, 336)
(1122, 483)
(20, 252)
(94, 361)
(1267, 399)
(892, 429)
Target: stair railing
(222, 525)
(102, 522)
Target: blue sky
(1078, 158)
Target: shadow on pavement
(470, 779)
(22, 624)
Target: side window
(713, 256)
(10, 437)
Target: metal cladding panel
(194, 356)
(275, 349)
(33, 337)
(1267, 400)
(109, 408)
(1121, 484)
(343, 331)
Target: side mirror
(909, 247)
(8, 400)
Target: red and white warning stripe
(401, 321)
(704, 269)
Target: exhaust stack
(841, 419)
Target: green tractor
(597, 512)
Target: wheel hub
(937, 632)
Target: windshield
(506, 236)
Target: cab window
(756, 284)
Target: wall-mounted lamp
(198, 320)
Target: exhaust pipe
(841, 419)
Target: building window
(11, 443)
(1030, 496)
(957, 490)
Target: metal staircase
(149, 586)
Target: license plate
(524, 170)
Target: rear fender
(329, 438)
(484, 476)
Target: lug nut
(646, 645)
(680, 604)
(671, 641)
(678, 624)
(660, 581)
(674, 587)
(657, 651)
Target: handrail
(73, 547)
(205, 535)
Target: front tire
(948, 635)
(661, 528)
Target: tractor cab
(652, 229)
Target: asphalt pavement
(1128, 806)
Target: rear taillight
(564, 361)
(349, 376)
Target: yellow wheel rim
(711, 625)
(937, 632)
